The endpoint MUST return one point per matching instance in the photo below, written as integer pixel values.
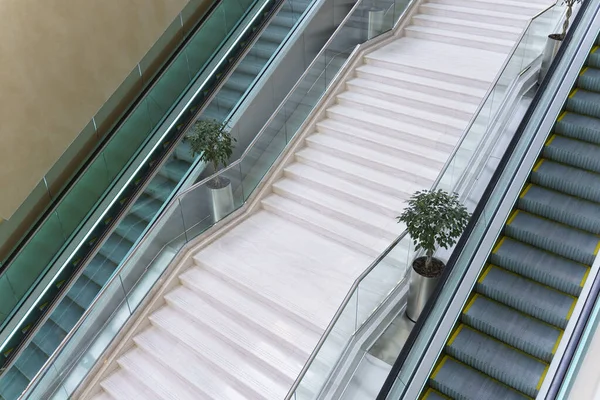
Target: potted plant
(555, 39)
(433, 218)
(212, 140)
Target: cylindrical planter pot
(221, 196)
(420, 288)
(552, 45)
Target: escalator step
(174, 169)
(146, 207)
(568, 210)
(566, 179)
(431, 394)
(589, 79)
(459, 381)
(131, 227)
(584, 102)
(31, 360)
(552, 236)
(558, 272)
(49, 337)
(83, 291)
(160, 188)
(527, 296)
(13, 383)
(496, 359)
(594, 57)
(578, 126)
(512, 327)
(573, 152)
(115, 248)
(100, 269)
(66, 314)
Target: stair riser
(388, 212)
(473, 16)
(321, 231)
(405, 116)
(572, 188)
(431, 90)
(408, 174)
(384, 130)
(394, 151)
(348, 219)
(583, 107)
(426, 73)
(497, 7)
(563, 215)
(476, 44)
(434, 108)
(594, 60)
(471, 30)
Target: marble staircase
(241, 322)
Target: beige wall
(60, 60)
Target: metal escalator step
(557, 238)
(12, 383)
(460, 381)
(131, 227)
(274, 33)
(566, 179)
(115, 248)
(594, 57)
(174, 169)
(146, 207)
(512, 327)
(100, 269)
(431, 394)
(549, 269)
(563, 208)
(160, 188)
(31, 360)
(573, 152)
(584, 102)
(66, 314)
(83, 291)
(496, 359)
(589, 79)
(49, 337)
(527, 296)
(578, 126)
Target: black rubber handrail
(416, 331)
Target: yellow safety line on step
(455, 334)
(594, 49)
(573, 92)
(524, 192)
(438, 367)
(539, 385)
(538, 165)
(561, 116)
(587, 272)
(597, 248)
(560, 335)
(487, 270)
(550, 139)
(571, 309)
(512, 217)
(583, 71)
(497, 247)
(466, 309)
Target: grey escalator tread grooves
(83, 291)
(520, 371)
(30, 361)
(567, 179)
(131, 227)
(49, 337)
(560, 207)
(589, 79)
(578, 126)
(115, 248)
(552, 236)
(274, 34)
(584, 102)
(512, 327)
(544, 267)
(13, 383)
(66, 314)
(160, 188)
(431, 394)
(525, 295)
(174, 169)
(146, 207)
(594, 58)
(100, 269)
(573, 152)
(462, 382)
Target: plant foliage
(434, 218)
(212, 140)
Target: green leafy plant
(212, 140)
(434, 218)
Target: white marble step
(393, 127)
(339, 209)
(402, 112)
(434, 87)
(103, 396)
(358, 194)
(475, 14)
(124, 386)
(182, 360)
(257, 316)
(161, 380)
(421, 173)
(522, 8)
(218, 354)
(412, 98)
(368, 139)
(358, 174)
(459, 38)
(467, 26)
(326, 226)
(256, 348)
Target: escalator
(165, 178)
(514, 319)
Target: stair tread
(461, 35)
(477, 11)
(512, 327)
(496, 359)
(122, 385)
(533, 8)
(526, 295)
(465, 22)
